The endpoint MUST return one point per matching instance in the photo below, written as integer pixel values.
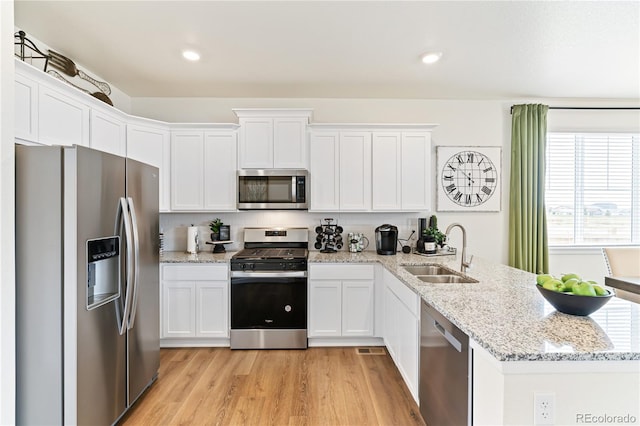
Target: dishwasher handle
(450, 338)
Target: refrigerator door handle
(122, 219)
(136, 263)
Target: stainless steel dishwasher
(445, 371)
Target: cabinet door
(324, 158)
(187, 170)
(178, 310)
(61, 119)
(108, 133)
(386, 166)
(26, 109)
(289, 143)
(151, 145)
(355, 171)
(220, 171)
(212, 309)
(416, 171)
(357, 308)
(408, 353)
(390, 333)
(325, 308)
(256, 143)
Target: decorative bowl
(574, 304)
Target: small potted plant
(433, 231)
(215, 225)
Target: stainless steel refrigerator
(87, 284)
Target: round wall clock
(468, 178)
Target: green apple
(584, 288)
(566, 277)
(599, 290)
(540, 279)
(568, 284)
(554, 285)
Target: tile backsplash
(174, 225)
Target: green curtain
(528, 246)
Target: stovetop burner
(271, 253)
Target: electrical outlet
(544, 408)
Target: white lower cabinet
(341, 300)
(194, 305)
(401, 329)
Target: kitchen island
(521, 345)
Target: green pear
(553, 285)
(568, 284)
(566, 277)
(540, 279)
(584, 288)
(599, 290)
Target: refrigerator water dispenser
(103, 271)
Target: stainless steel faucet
(463, 263)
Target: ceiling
(343, 49)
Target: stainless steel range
(269, 289)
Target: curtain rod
(593, 108)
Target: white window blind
(592, 193)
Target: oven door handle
(290, 274)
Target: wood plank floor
(317, 386)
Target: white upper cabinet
(62, 119)
(149, 143)
(26, 108)
(355, 171)
(203, 169)
(324, 173)
(273, 138)
(108, 133)
(370, 167)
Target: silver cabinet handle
(293, 274)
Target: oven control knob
(287, 308)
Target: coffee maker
(386, 239)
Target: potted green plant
(215, 225)
(433, 231)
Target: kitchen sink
(445, 279)
(428, 270)
(437, 274)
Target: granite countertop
(202, 257)
(503, 313)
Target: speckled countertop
(504, 312)
(202, 257)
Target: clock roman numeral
(450, 188)
(490, 180)
(458, 196)
(481, 160)
(470, 157)
(448, 177)
(467, 199)
(459, 158)
(488, 169)
(478, 198)
(451, 167)
(486, 190)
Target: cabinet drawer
(195, 272)
(408, 298)
(341, 272)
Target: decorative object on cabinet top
(27, 51)
(69, 67)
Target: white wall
(7, 254)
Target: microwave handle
(294, 188)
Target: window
(592, 192)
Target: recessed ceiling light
(431, 57)
(190, 55)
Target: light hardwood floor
(317, 386)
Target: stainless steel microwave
(274, 189)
